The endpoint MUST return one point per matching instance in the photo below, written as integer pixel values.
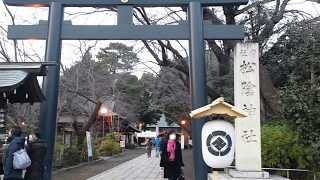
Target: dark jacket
(36, 151)
(149, 145)
(1, 161)
(15, 144)
(172, 169)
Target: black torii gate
(195, 29)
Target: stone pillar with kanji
(247, 98)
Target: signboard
(3, 107)
(157, 130)
(89, 143)
(147, 134)
(182, 141)
(2, 117)
(247, 97)
(122, 144)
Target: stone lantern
(67, 136)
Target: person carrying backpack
(36, 149)
(16, 142)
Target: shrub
(107, 146)
(64, 156)
(72, 156)
(57, 154)
(281, 147)
(130, 146)
(301, 108)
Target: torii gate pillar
(198, 83)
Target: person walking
(157, 145)
(171, 158)
(16, 142)
(149, 147)
(36, 149)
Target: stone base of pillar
(242, 175)
(249, 174)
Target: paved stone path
(140, 168)
(85, 171)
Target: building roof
(12, 79)
(131, 129)
(113, 114)
(35, 68)
(66, 119)
(69, 119)
(18, 81)
(162, 123)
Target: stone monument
(247, 98)
(246, 112)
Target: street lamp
(103, 110)
(140, 126)
(184, 132)
(36, 5)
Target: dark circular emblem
(219, 143)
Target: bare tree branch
(250, 6)
(4, 53)
(14, 41)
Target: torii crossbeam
(135, 3)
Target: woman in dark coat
(36, 149)
(15, 143)
(171, 157)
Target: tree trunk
(91, 121)
(267, 89)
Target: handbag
(21, 160)
(44, 172)
(181, 177)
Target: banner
(147, 134)
(89, 143)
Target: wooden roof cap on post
(218, 108)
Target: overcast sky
(70, 50)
